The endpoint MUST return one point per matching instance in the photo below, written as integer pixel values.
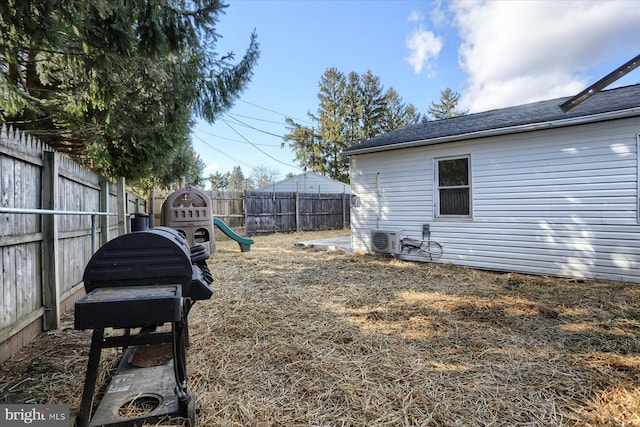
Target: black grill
(141, 280)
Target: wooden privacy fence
(293, 211)
(53, 214)
(228, 206)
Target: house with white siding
(528, 189)
(307, 182)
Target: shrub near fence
(292, 211)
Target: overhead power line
(276, 112)
(225, 154)
(235, 140)
(240, 122)
(279, 122)
(259, 149)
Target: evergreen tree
(373, 105)
(238, 182)
(447, 107)
(115, 83)
(331, 126)
(195, 168)
(413, 116)
(185, 164)
(219, 181)
(396, 113)
(303, 142)
(351, 109)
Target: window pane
(453, 172)
(454, 201)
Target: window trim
(436, 188)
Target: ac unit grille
(386, 241)
(381, 241)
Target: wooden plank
(121, 206)
(8, 332)
(7, 151)
(7, 195)
(51, 261)
(9, 294)
(600, 84)
(104, 207)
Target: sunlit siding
(560, 202)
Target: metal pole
(94, 234)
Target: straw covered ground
(303, 337)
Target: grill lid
(156, 256)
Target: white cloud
(416, 16)
(438, 16)
(518, 52)
(424, 46)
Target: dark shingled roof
(618, 99)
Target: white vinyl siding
(561, 202)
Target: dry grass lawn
(302, 337)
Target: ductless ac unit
(386, 241)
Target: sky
(495, 54)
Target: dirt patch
(296, 336)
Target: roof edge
(594, 118)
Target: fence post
(344, 211)
(50, 260)
(104, 207)
(245, 212)
(297, 211)
(122, 206)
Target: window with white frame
(453, 187)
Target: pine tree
(236, 179)
(303, 142)
(396, 113)
(115, 83)
(219, 181)
(331, 127)
(373, 105)
(447, 107)
(351, 109)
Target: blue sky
(494, 53)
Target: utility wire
(258, 148)
(276, 112)
(236, 140)
(255, 118)
(225, 154)
(256, 129)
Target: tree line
(351, 109)
(236, 180)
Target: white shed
(308, 182)
(526, 189)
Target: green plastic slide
(245, 243)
